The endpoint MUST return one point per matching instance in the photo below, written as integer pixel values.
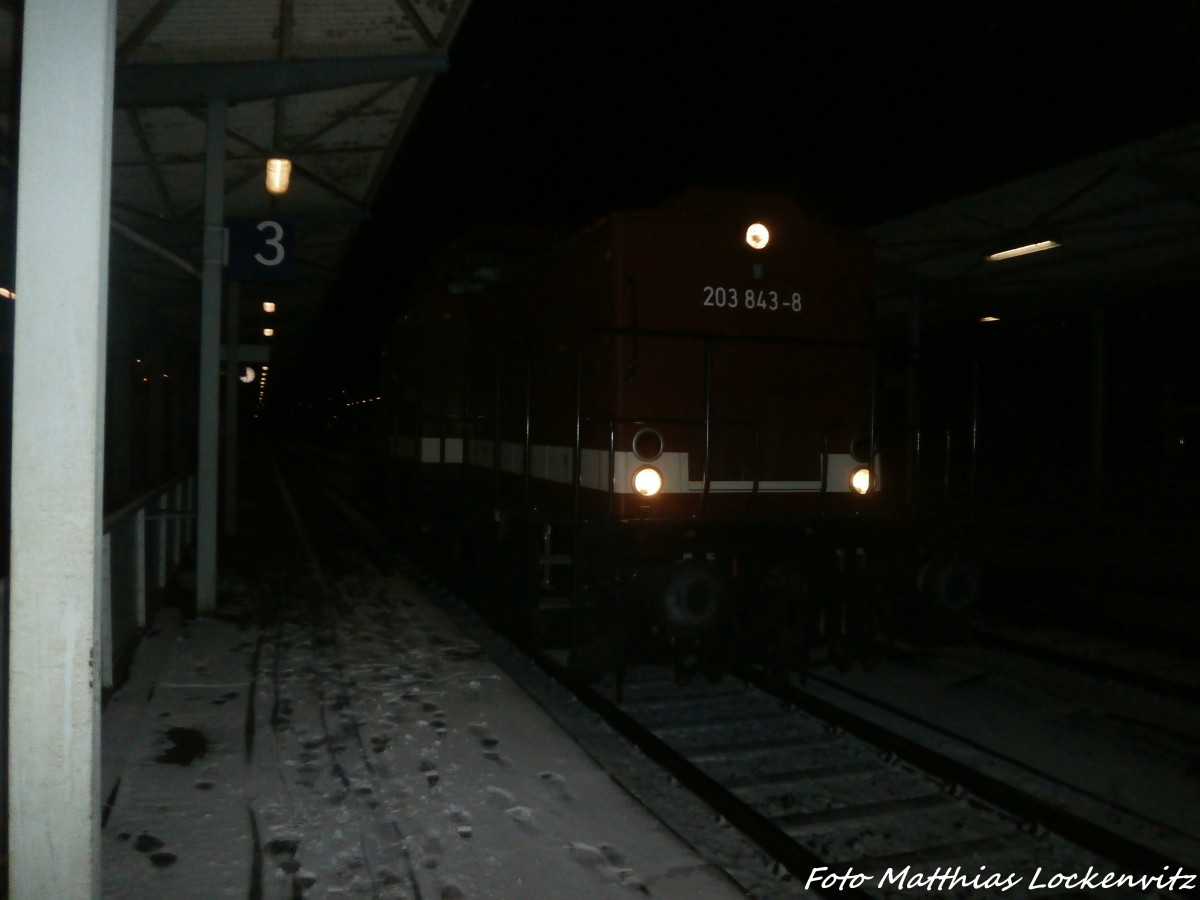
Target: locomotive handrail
(707, 426)
(709, 339)
(613, 421)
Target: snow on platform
(372, 750)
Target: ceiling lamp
(279, 175)
(268, 306)
(1023, 250)
(268, 332)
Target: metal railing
(144, 542)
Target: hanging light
(268, 306)
(1023, 250)
(268, 332)
(279, 174)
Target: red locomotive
(666, 418)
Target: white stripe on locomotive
(553, 463)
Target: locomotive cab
(692, 382)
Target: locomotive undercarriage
(700, 596)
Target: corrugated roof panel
(437, 16)
(251, 128)
(363, 28)
(352, 172)
(173, 134)
(138, 194)
(210, 30)
(347, 118)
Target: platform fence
(145, 542)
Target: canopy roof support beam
(181, 84)
(210, 360)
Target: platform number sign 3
(260, 249)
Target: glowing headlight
(757, 236)
(647, 481)
(860, 480)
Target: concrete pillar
(63, 195)
(210, 362)
(232, 372)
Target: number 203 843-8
(748, 298)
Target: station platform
(326, 736)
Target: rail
(144, 541)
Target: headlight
(757, 236)
(860, 480)
(647, 481)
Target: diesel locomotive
(654, 437)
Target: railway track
(834, 804)
(843, 814)
(324, 713)
(1133, 674)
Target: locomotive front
(741, 363)
(673, 430)
(724, 423)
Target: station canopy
(1125, 221)
(333, 85)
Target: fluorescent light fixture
(279, 174)
(1023, 250)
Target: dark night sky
(561, 110)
